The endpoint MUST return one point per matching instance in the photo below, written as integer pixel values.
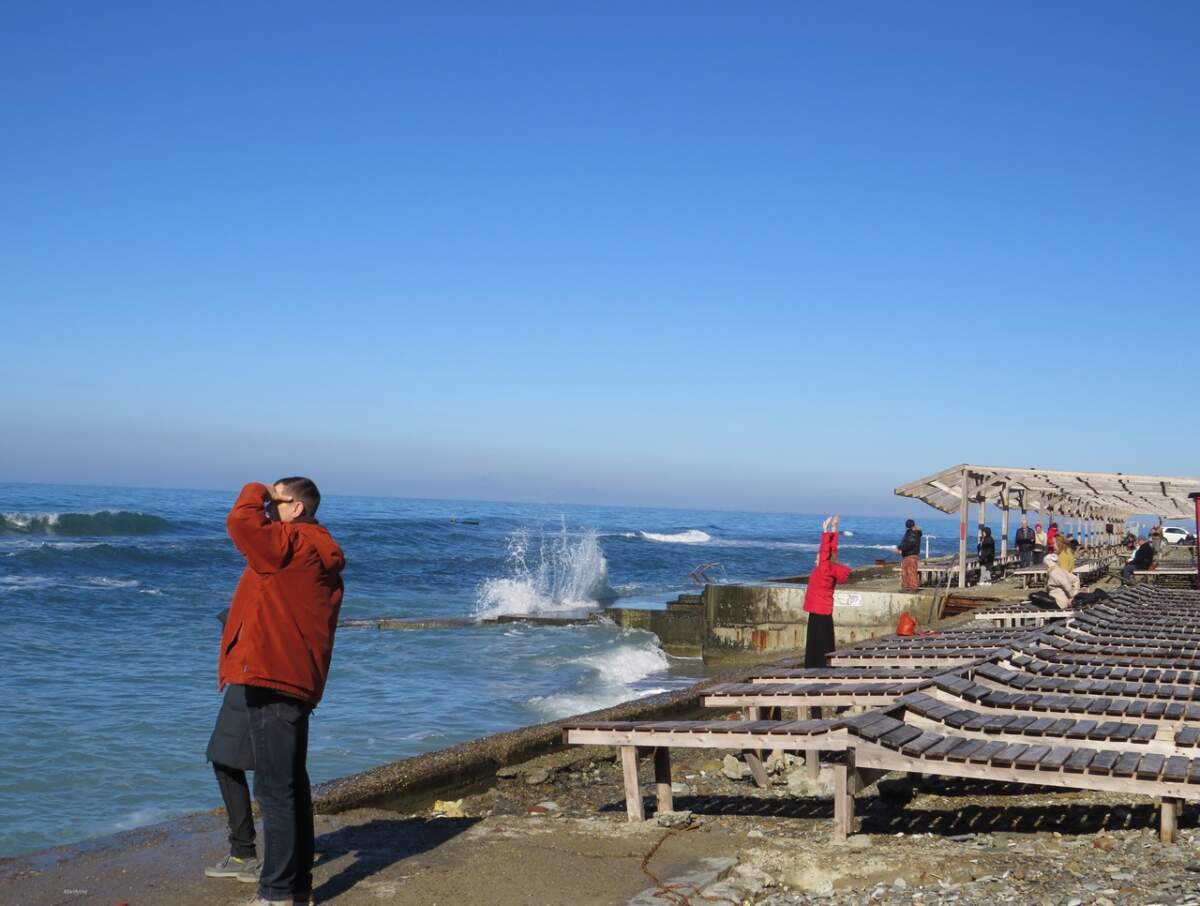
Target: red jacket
(823, 579)
(279, 633)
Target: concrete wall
(680, 631)
(751, 622)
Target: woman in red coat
(818, 599)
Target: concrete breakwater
(729, 624)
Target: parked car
(1173, 534)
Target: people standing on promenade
(1051, 537)
(910, 550)
(232, 755)
(1039, 544)
(277, 644)
(1142, 559)
(987, 555)
(818, 598)
(1066, 553)
(1062, 584)
(1025, 541)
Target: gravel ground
(935, 841)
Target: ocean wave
(689, 536)
(103, 522)
(612, 677)
(27, 583)
(557, 573)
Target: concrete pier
(745, 623)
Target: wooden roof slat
(1109, 495)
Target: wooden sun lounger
(1109, 701)
(748, 736)
(1022, 615)
(899, 746)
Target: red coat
(1050, 536)
(823, 579)
(279, 633)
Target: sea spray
(547, 574)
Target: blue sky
(781, 257)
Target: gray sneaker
(251, 869)
(232, 866)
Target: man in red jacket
(277, 643)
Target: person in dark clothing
(232, 755)
(1143, 559)
(910, 549)
(1025, 540)
(987, 555)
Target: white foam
(140, 818)
(113, 583)
(19, 583)
(691, 536)
(611, 679)
(566, 572)
(627, 664)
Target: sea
(109, 600)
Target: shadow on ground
(378, 844)
(891, 814)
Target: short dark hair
(304, 490)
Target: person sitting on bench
(1063, 586)
(1142, 559)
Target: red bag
(907, 625)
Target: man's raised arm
(262, 542)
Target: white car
(1173, 534)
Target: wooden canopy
(1112, 496)
(1090, 498)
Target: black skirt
(230, 741)
(819, 640)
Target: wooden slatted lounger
(884, 746)
(661, 736)
(1022, 615)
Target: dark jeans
(236, 794)
(1127, 571)
(1026, 554)
(279, 732)
(818, 642)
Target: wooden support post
(962, 532)
(843, 798)
(1004, 528)
(662, 779)
(633, 790)
(1169, 819)
(812, 760)
(754, 757)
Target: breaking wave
(105, 522)
(547, 574)
(610, 678)
(691, 536)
